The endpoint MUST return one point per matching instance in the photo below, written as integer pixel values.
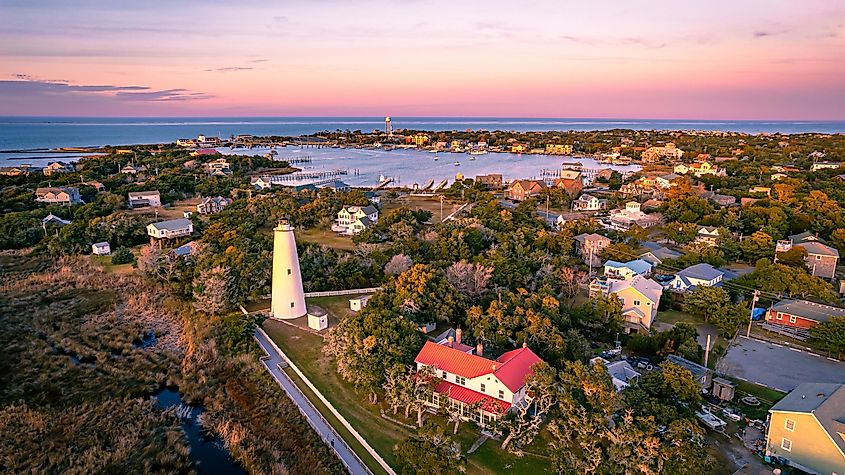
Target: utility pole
(707, 351)
(751, 316)
(441, 208)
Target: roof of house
(814, 247)
(590, 237)
(647, 287)
(468, 396)
(173, 224)
(806, 236)
(101, 244)
(511, 368)
(660, 251)
(368, 210)
(528, 184)
(134, 195)
(639, 266)
(810, 310)
(701, 271)
(186, 249)
(669, 176)
(826, 401)
(570, 175)
(52, 218)
(694, 368)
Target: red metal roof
(511, 368)
(468, 396)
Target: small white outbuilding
(318, 319)
(101, 249)
(357, 303)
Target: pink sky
(749, 59)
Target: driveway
(777, 366)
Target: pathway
(272, 361)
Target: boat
(457, 164)
(436, 158)
(428, 184)
(471, 157)
(478, 151)
(711, 420)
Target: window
(789, 425)
(501, 394)
(792, 319)
(291, 305)
(460, 380)
(780, 316)
(445, 374)
(818, 258)
(482, 387)
(636, 303)
(786, 444)
(288, 271)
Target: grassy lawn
(325, 237)
(304, 349)
(105, 263)
(768, 397)
(338, 306)
(431, 204)
(675, 316)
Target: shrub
(122, 256)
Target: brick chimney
(458, 334)
(451, 341)
(479, 349)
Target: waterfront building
(352, 220)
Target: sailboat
(436, 158)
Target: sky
(678, 59)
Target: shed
(101, 249)
(318, 319)
(723, 389)
(359, 302)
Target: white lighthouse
(288, 297)
(388, 127)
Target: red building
(801, 313)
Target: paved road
(778, 366)
(327, 433)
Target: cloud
(228, 69)
(259, 60)
(25, 85)
(765, 33)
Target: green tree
(757, 246)
(830, 335)
(706, 301)
(429, 452)
(122, 256)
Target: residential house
(590, 244)
(778, 176)
(558, 149)
(173, 228)
(204, 152)
(57, 167)
(354, 219)
(261, 182)
(624, 219)
(667, 180)
(699, 275)
(708, 235)
(101, 249)
(53, 219)
(453, 339)
(467, 380)
(657, 253)
(807, 428)
(337, 186)
(702, 374)
(621, 372)
(218, 167)
(211, 205)
(359, 302)
(721, 200)
(521, 190)
(821, 259)
(655, 154)
(186, 142)
(130, 169)
(587, 202)
(61, 194)
(640, 298)
(491, 182)
(185, 251)
(571, 181)
(207, 141)
(627, 270)
(95, 184)
(801, 313)
(762, 190)
(519, 148)
(824, 166)
(144, 199)
(14, 171)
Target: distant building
(57, 167)
(491, 182)
(356, 304)
(207, 141)
(621, 372)
(699, 169)
(708, 235)
(14, 171)
(101, 249)
(521, 190)
(354, 219)
(590, 244)
(666, 181)
(144, 199)
(631, 215)
(61, 194)
(337, 186)
(519, 148)
(807, 428)
(627, 270)
(261, 183)
(824, 166)
(763, 190)
(558, 149)
(171, 229)
(655, 154)
(640, 298)
(587, 202)
(218, 167)
(203, 152)
(213, 205)
(657, 253)
(53, 219)
(821, 259)
(495, 386)
(702, 374)
(130, 169)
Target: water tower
(288, 297)
(388, 127)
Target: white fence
(335, 293)
(331, 408)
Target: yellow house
(807, 428)
(518, 148)
(558, 149)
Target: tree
(469, 279)
(210, 290)
(429, 452)
(399, 388)
(730, 318)
(795, 257)
(570, 280)
(122, 256)
(757, 246)
(681, 233)
(398, 264)
(149, 259)
(707, 301)
(423, 295)
(424, 383)
(830, 335)
(618, 251)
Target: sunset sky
(738, 59)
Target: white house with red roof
(468, 379)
